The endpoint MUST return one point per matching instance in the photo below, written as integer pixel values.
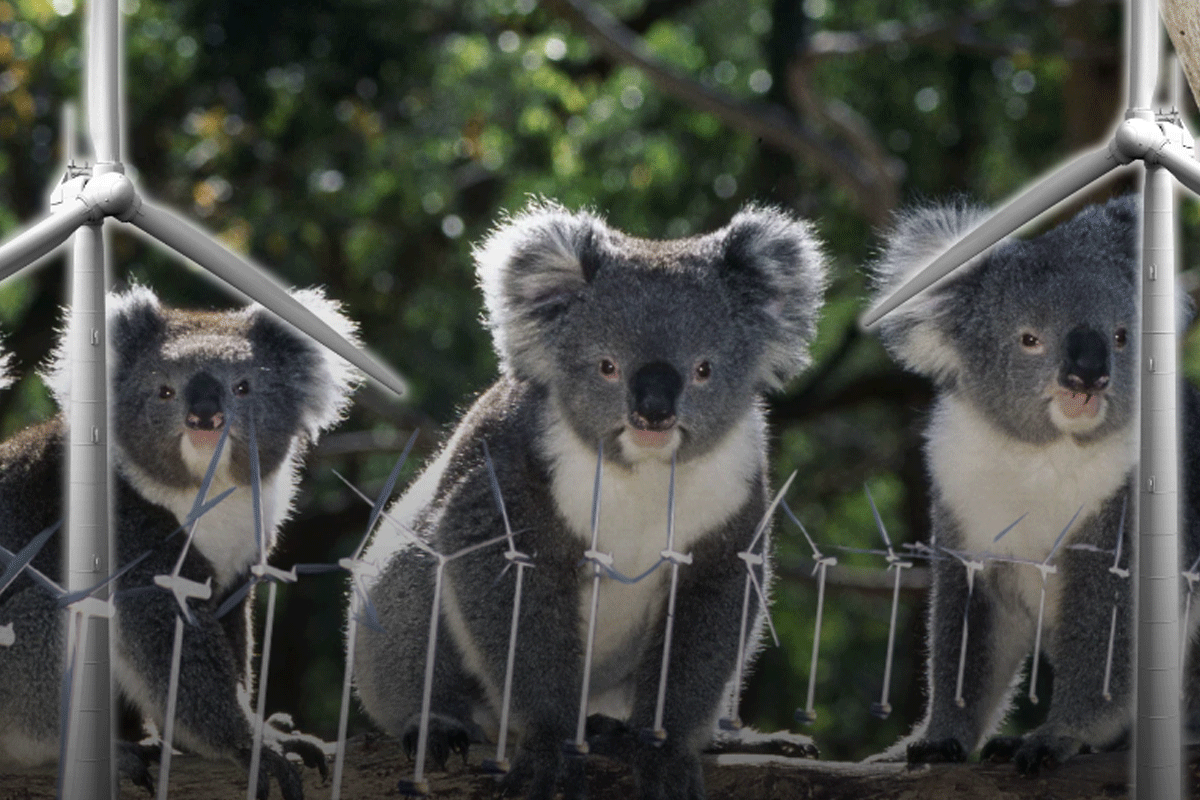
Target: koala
(648, 352)
(179, 378)
(1032, 352)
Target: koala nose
(1085, 366)
(656, 387)
(203, 397)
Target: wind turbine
(80, 206)
(1164, 146)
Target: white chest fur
(224, 535)
(988, 480)
(633, 527)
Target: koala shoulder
(535, 265)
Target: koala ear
(531, 269)
(136, 321)
(914, 333)
(774, 267)
(326, 381)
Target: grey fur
(996, 450)
(563, 293)
(295, 390)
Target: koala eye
(1120, 337)
(242, 389)
(703, 371)
(1031, 343)
(608, 369)
(166, 392)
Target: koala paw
(941, 751)
(274, 764)
(540, 770)
(1033, 752)
(133, 762)
(668, 773)
(610, 737)
(779, 743)
(446, 735)
(280, 738)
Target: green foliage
(366, 145)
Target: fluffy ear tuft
(774, 265)
(531, 268)
(328, 380)
(912, 333)
(135, 319)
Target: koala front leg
(212, 716)
(999, 634)
(1081, 717)
(704, 650)
(547, 673)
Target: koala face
(182, 378)
(653, 348)
(634, 374)
(1040, 335)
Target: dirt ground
(375, 766)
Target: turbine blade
(74, 597)
(385, 493)
(236, 598)
(256, 491)
(788, 510)
(1062, 535)
(499, 497)
(766, 517)
(42, 237)
(1011, 525)
(315, 569)
(39, 577)
(205, 484)
(25, 555)
(1180, 164)
(1040, 197)
(180, 235)
(878, 519)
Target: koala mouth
(651, 439)
(1078, 405)
(204, 440)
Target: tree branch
(772, 124)
(1182, 20)
(959, 33)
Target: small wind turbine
(1046, 569)
(883, 708)
(499, 765)
(808, 714)
(752, 559)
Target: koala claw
(281, 732)
(538, 772)
(1031, 753)
(942, 751)
(1000, 749)
(133, 761)
(668, 773)
(275, 765)
(446, 736)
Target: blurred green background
(365, 145)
